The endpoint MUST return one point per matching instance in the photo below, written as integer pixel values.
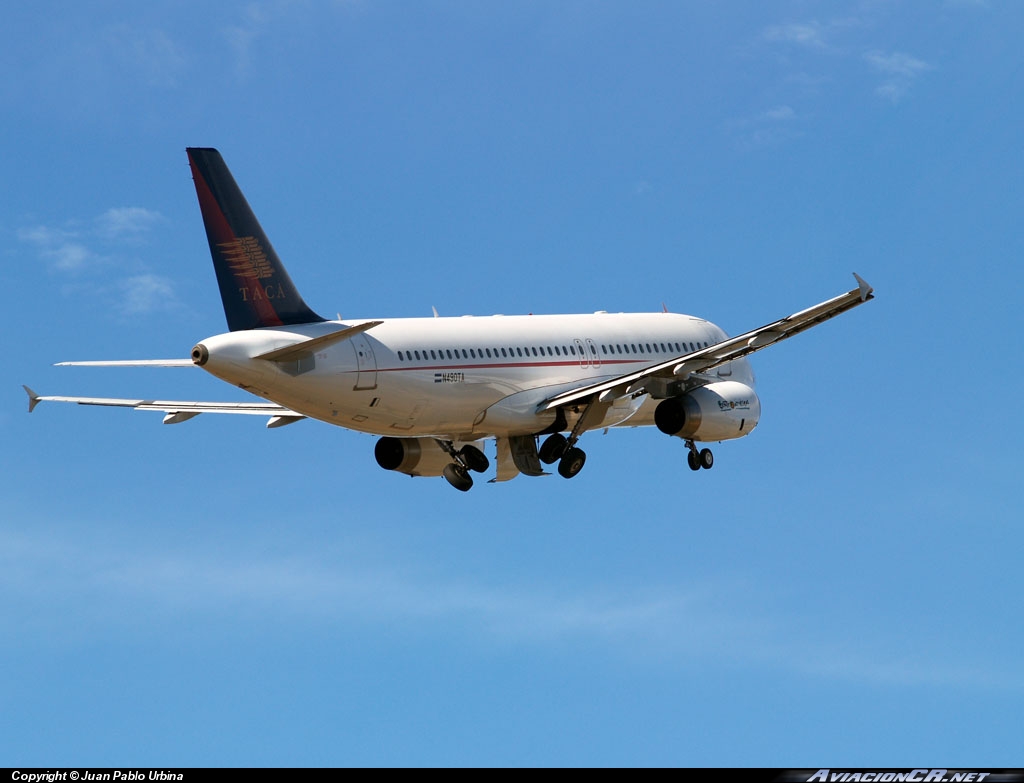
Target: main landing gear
(699, 459)
(468, 458)
(556, 448)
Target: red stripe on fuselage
(451, 367)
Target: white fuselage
(464, 378)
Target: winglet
(865, 289)
(33, 398)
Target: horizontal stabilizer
(131, 363)
(296, 351)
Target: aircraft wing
(690, 364)
(179, 410)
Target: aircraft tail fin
(254, 285)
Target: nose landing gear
(699, 459)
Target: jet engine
(718, 411)
(416, 456)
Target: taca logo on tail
(254, 286)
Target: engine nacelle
(415, 456)
(718, 411)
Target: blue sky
(843, 588)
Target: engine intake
(415, 456)
(718, 411)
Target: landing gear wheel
(458, 477)
(475, 459)
(552, 449)
(693, 460)
(572, 462)
(707, 459)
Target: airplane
(436, 390)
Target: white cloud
(60, 248)
(897, 63)
(127, 221)
(150, 56)
(146, 293)
(242, 36)
(95, 252)
(779, 114)
(899, 70)
(100, 586)
(771, 127)
(803, 34)
(69, 248)
(70, 255)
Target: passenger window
(399, 356)
(488, 352)
(572, 349)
